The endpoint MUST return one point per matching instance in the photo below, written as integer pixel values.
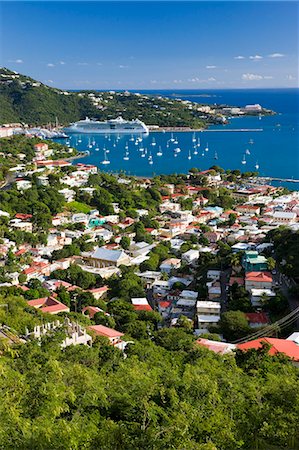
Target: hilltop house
(103, 257)
(253, 262)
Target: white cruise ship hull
(114, 126)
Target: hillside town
(200, 251)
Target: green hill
(26, 100)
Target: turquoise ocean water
(275, 148)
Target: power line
(281, 323)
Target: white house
(191, 256)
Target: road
(282, 282)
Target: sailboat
(251, 141)
(132, 138)
(126, 156)
(207, 147)
(177, 150)
(105, 161)
(126, 146)
(79, 140)
(198, 142)
(247, 152)
(89, 143)
(143, 153)
(257, 166)
(215, 156)
(172, 138)
(203, 154)
(193, 138)
(93, 142)
(97, 149)
(150, 158)
(176, 141)
(243, 160)
(195, 151)
(153, 142)
(189, 155)
(159, 153)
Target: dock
(284, 180)
(204, 130)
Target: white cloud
(276, 55)
(211, 79)
(122, 66)
(256, 57)
(99, 64)
(16, 61)
(51, 65)
(62, 63)
(177, 81)
(211, 67)
(154, 81)
(251, 77)
(49, 81)
(239, 57)
(256, 77)
(194, 80)
(82, 64)
(291, 77)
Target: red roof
(239, 280)
(48, 305)
(164, 304)
(259, 276)
(214, 346)
(142, 308)
(257, 318)
(23, 216)
(278, 346)
(92, 310)
(101, 330)
(21, 252)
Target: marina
(254, 144)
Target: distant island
(27, 101)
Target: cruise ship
(118, 125)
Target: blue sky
(151, 45)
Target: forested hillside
(32, 102)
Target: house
(249, 209)
(253, 262)
(257, 320)
(140, 249)
(258, 280)
(141, 304)
(288, 347)
(191, 256)
(212, 236)
(100, 292)
(187, 298)
(213, 275)
(164, 307)
(205, 321)
(113, 335)
(214, 290)
(48, 305)
(103, 257)
(169, 264)
(208, 308)
(284, 217)
(91, 311)
(257, 296)
(217, 347)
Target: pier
(190, 130)
(284, 180)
